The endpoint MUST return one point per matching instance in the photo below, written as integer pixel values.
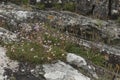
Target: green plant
(40, 5)
(72, 47)
(33, 52)
(25, 51)
(12, 78)
(57, 6)
(58, 53)
(25, 2)
(51, 40)
(69, 6)
(95, 57)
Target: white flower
(22, 50)
(48, 58)
(58, 44)
(55, 44)
(45, 41)
(50, 49)
(49, 41)
(63, 54)
(32, 70)
(46, 33)
(36, 56)
(31, 49)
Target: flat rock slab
(5, 62)
(62, 71)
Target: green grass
(59, 47)
(25, 51)
(69, 6)
(58, 53)
(40, 6)
(50, 40)
(33, 52)
(25, 2)
(57, 6)
(95, 57)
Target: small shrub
(25, 2)
(69, 6)
(58, 53)
(33, 52)
(50, 40)
(25, 51)
(58, 6)
(70, 47)
(40, 6)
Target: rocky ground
(56, 71)
(13, 19)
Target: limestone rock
(81, 63)
(76, 60)
(62, 71)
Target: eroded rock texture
(99, 8)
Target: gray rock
(81, 63)
(7, 36)
(5, 63)
(98, 8)
(62, 71)
(76, 60)
(62, 20)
